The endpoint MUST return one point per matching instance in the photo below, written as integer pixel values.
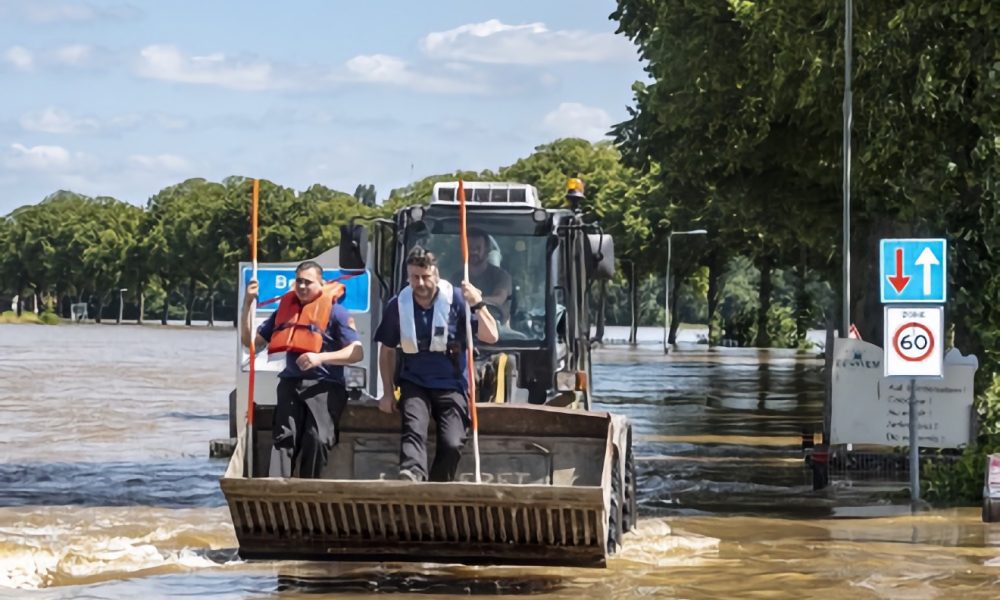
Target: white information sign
(871, 409)
(913, 344)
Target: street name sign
(275, 281)
(913, 344)
(913, 270)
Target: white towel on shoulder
(439, 326)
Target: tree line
(177, 256)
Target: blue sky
(123, 98)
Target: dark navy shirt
(431, 370)
(339, 334)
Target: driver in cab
(494, 282)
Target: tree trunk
(633, 300)
(802, 298)
(763, 337)
(17, 303)
(211, 307)
(189, 304)
(675, 288)
(166, 306)
(100, 310)
(715, 269)
(142, 302)
(601, 304)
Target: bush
(26, 317)
(49, 318)
(962, 481)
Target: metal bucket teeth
(378, 520)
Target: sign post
(913, 272)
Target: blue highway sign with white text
(913, 270)
(275, 281)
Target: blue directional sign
(275, 281)
(914, 270)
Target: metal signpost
(913, 276)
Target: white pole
(666, 299)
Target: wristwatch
(477, 306)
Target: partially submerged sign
(913, 344)
(869, 408)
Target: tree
(365, 194)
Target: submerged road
(106, 490)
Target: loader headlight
(570, 381)
(355, 378)
(565, 381)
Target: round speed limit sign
(913, 341)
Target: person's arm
(346, 337)
(347, 355)
(387, 370)
(499, 295)
(487, 330)
(249, 298)
(387, 335)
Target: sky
(123, 98)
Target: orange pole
(253, 334)
(463, 233)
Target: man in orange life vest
(317, 337)
(427, 322)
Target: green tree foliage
(365, 194)
(742, 118)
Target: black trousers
(451, 414)
(305, 425)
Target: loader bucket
(544, 500)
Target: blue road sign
(275, 281)
(913, 270)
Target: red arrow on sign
(899, 280)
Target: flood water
(106, 489)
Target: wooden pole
(469, 359)
(253, 334)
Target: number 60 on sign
(913, 344)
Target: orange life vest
(299, 327)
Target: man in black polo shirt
(424, 328)
(494, 282)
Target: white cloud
(390, 70)
(74, 55)
(54, 120)
(531, 44)
(51, 11)
(168, 63)
(572, 119)
(160, 162)
(44, 158)
(20, 57)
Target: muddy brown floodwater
(106, 489)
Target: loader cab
(548, 254)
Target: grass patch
(46, 318)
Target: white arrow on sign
(926, 260)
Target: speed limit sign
(913, 341)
